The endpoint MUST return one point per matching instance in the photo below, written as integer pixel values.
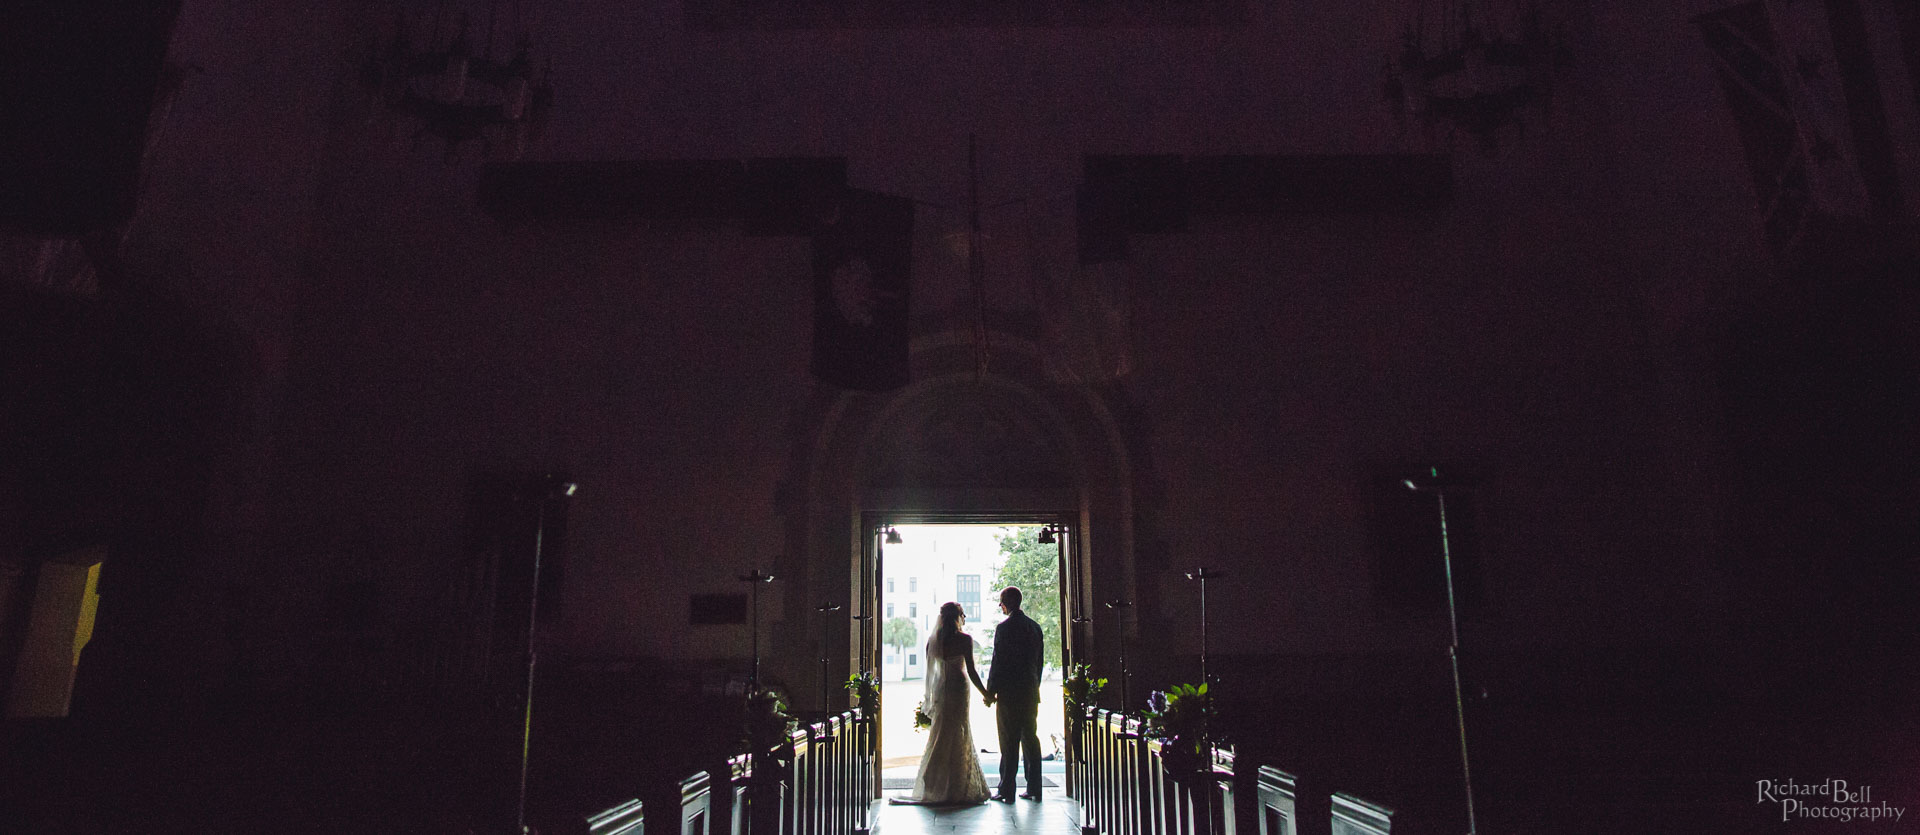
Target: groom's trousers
(1019, 720)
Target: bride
(950, 768)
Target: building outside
(932, 565)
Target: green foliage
(900, 633)
(1180, 712)
(1181, 715)
(767, 721)
(1081, 689)
(1035, 569)
(865, 688)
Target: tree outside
(1033, 567)
(900, 633)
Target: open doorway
(968, 564)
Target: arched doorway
(953, 446)
(923, 561)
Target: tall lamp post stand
(1203, 575)
(826, 681)
(757, 578)
(1205, 765)
(552, 488)
(1430, 482)
(870, 721)
(1120, 628)
(860, 622)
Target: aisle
(1056, 815)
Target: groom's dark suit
(1014, 679)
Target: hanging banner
(862, 267)
(1801, 81)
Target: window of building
(889, 610)
(889, 585)
(913, 658)
(913, 584)
(913, 610)
(966, 592)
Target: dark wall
(1690, 503)
(1551, 330)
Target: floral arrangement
(865, 690)
(1180, 715)
(1081, 689)
(921, 720)
(767, 721)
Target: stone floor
(898, 780)
(1054, 815)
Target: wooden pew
(820, 778)
(733, 804)
(1164, 801)
(1107, 778)
(1274, 791)
(826, 789)
(1083, 766)
(696, 805)
(1112, 782)
(1224, 806)
(863, 789)
(796, 799)
(1353, 816)
(624, 819)
(1138, 810)
(833, 800)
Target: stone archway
(950, 445)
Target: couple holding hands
(950, 768)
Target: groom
(1013, 680)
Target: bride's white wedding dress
(950, 767)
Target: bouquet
(921, 719)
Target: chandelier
(446, 78)
(1481, 75)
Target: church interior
(435, 416)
